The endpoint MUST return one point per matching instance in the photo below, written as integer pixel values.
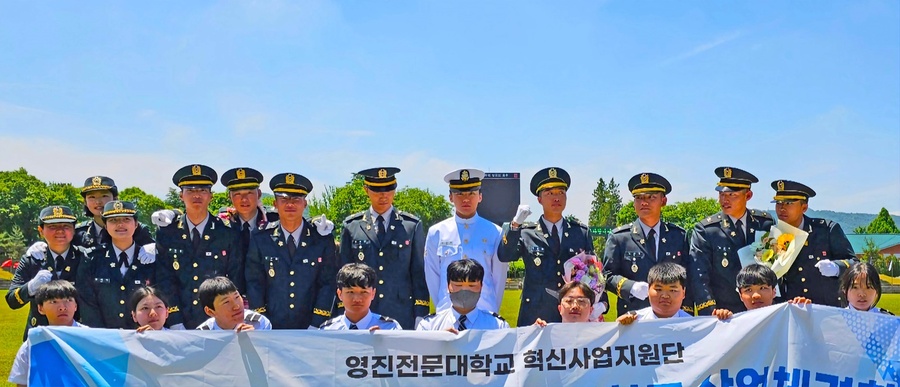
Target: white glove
(827, 268)
(36, 250)
(599, 309)
(39, 279)
(147, 253)
(323, 225)
(640, 290)
(162, 218)
(177, 327)
(522, 213)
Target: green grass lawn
(12, 324)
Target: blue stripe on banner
(100, 358)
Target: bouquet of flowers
(588, 270)
(777, 248)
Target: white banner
(779, 346)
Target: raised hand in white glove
(640, 290)
(522, 213)
(162, 218)
(177, 327)
(39, 279)
(599, 309)
(37, 250)
(147, 253)
(323, 225)
(827, 268)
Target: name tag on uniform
(209, 254)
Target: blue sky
(807, 91)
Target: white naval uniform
(456, 238)
(647, 314)
(258, 321)
(341, 323)
(476, 319)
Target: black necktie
(60, 263)
(462, 323)
(123, 259)
(651, 243)
(380, 226)
(554, 240)
(292, 246)
(353, 327)
(245, 236)
(742, 240)
(195, 239)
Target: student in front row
(56, 301)
(575, 303)
(356, 290)
(756, 285)
(225, 307)
(862, 288)
(666, 294)
(464, 282)
(148, 309)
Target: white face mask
(464, 299)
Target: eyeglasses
(582, 302)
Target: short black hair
(465, 270)
(141, 293)
(856, 270)
(568, 287)
(756, 274)
(55, 290)
(356, 274)
(667, 273)
(214, 287)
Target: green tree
(429, 207)
(12, 244)
(626, 214)
(572, 218)
(683, 214)
(860, 230)
(605, 208)
(146, 203)
(173, 199)
(22, 196)
(872, 254)
(337, 203)
(883, 224)
(219, 200)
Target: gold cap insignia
(552, 173)
(781, 185)
(645, 178)
(382, 173)
(96, 180)
(289, 179)
(195, 170)
(241, 174)
(464, 175)
(57, 211)
(727, 173)
(117, 206)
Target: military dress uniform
(543, 266)
(242, 179)
(104, 289)
(372, 319)
(397, 256)
(627, 259)
(180, 268)
(88, 234)
(294, 291)
(456, 238)
(714, 263)
(63, 267)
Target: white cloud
(703, 48)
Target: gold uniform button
(292, 284)
(195, 264)
(800, 268)
(195, 290)
(803, 280)
(559, 285)
(380, 253)
(121, 315)
(291, 273)
(557, 262)
(123, 288)
(558, 273)
(805, 290)
(381, 296)
(381, 282)
(291, 306)
(195, 278)
(381, 268)
(195, 302)
(527, 300)
(121, 302)
(292, 295)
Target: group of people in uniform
(286, 264)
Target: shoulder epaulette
(272, 224)
(577, 223)
(430, 315)
(497, 316)
(252, 317)
(355, 216)
(408, 216)
(83, 224)
(387, 319)
(329, 322)
(529, 225)
(673, 226)
(760, 214)
(204, 327)
(887, 312)
(710, 220)
(624, 227)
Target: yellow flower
(767, 256)
(784, 240)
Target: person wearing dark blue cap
(57, 227)
(544, 246)
(196, 247)
(827, 252)
(714, 263)
(633, 249)
(291, 266)
(393, 243)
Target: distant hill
(848, 220)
